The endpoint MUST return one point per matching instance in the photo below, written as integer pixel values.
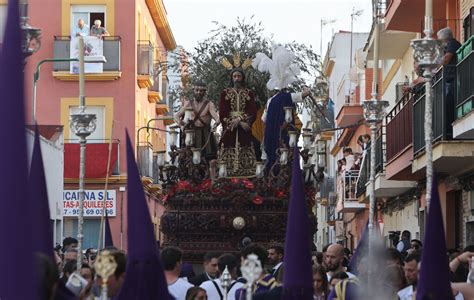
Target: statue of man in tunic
(237, 112)
(203, 112)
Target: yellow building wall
(107, 102)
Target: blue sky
(286, 20)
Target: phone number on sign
(87, 212)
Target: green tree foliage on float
(246, 37)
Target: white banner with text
(93, 203)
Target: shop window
(91, 231)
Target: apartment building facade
(400, 181)
(128, 92)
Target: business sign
(93, 48)
(93, 203)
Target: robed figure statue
(283, 72)
(237, 112)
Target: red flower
(217, 191)
(235, 180)
(280, 194)
(205, 185)
(257, 200)
(248, 184)
(183, 185)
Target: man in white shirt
(81, 29)
(214, 288)
(411, 274)
(171, 257)
(349, 156)
(334, 259)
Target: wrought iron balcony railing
(380, 160)
(111, 52)
(465, 79)
(399, 126)
(145, 159)
(157, 72)
(145, 58)
(444, 91)
(349, 185)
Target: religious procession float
(225, 186)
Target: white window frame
(98, 136)
(99, 8)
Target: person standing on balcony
(204, 112)
(364, 142)
(98, 31)
(81, 29)
(237, 112)
(451, 45)
(349, 156)
(450, 60)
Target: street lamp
(429, 56)
(82, 125)
(374, 111)
(31, 35)
(36, 75)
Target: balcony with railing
(364, 174)
(145, 159)
(383, 186)
(145, 64)
(463, 126)
(347, 184)
(97, 154)
(399, 128)
(449, 156)
(443, 110)
(110, 69)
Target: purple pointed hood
(42, 237)
(144, 277)
(298, 277)
(15, 228)
(434, 281)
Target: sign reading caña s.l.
(93, 203)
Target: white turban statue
(283, 71)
